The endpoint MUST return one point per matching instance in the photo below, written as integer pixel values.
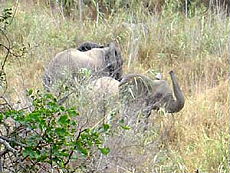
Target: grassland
(197, 48)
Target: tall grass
(196, 48)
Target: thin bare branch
(12, 140)
(8, 147)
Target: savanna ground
(196, 47)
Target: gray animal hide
(66, 66)
(138, 92)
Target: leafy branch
(50, 134)
(46, 135)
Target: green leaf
(73, 123)
(72, 112)
(30, 152)
(80, 148)
(49, 96)
(52, 105)
(122, 121)
(64, 153)
(106, 127)
(1, 117)
(83, 151)
(30, 92)
(63, 120)
(104, 150)
(61, 131)
(125, 127)
(34, 116)
(43, 157)
(62, 108)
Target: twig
(71, 153)
(6, 47)
(2, 153)
(6, 102)
(11, 140)
(8, 147)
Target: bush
(47, 137)
(44, 136)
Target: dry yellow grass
(196, 48)
(203, 128)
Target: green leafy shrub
(44, 136)
(48, 136)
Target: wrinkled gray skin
(103, 97)
(152, 94)
(137, 92)
(105, 85)
(65, 65)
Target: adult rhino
(67, 65)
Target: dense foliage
(44, 136)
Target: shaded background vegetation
(190, 37)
